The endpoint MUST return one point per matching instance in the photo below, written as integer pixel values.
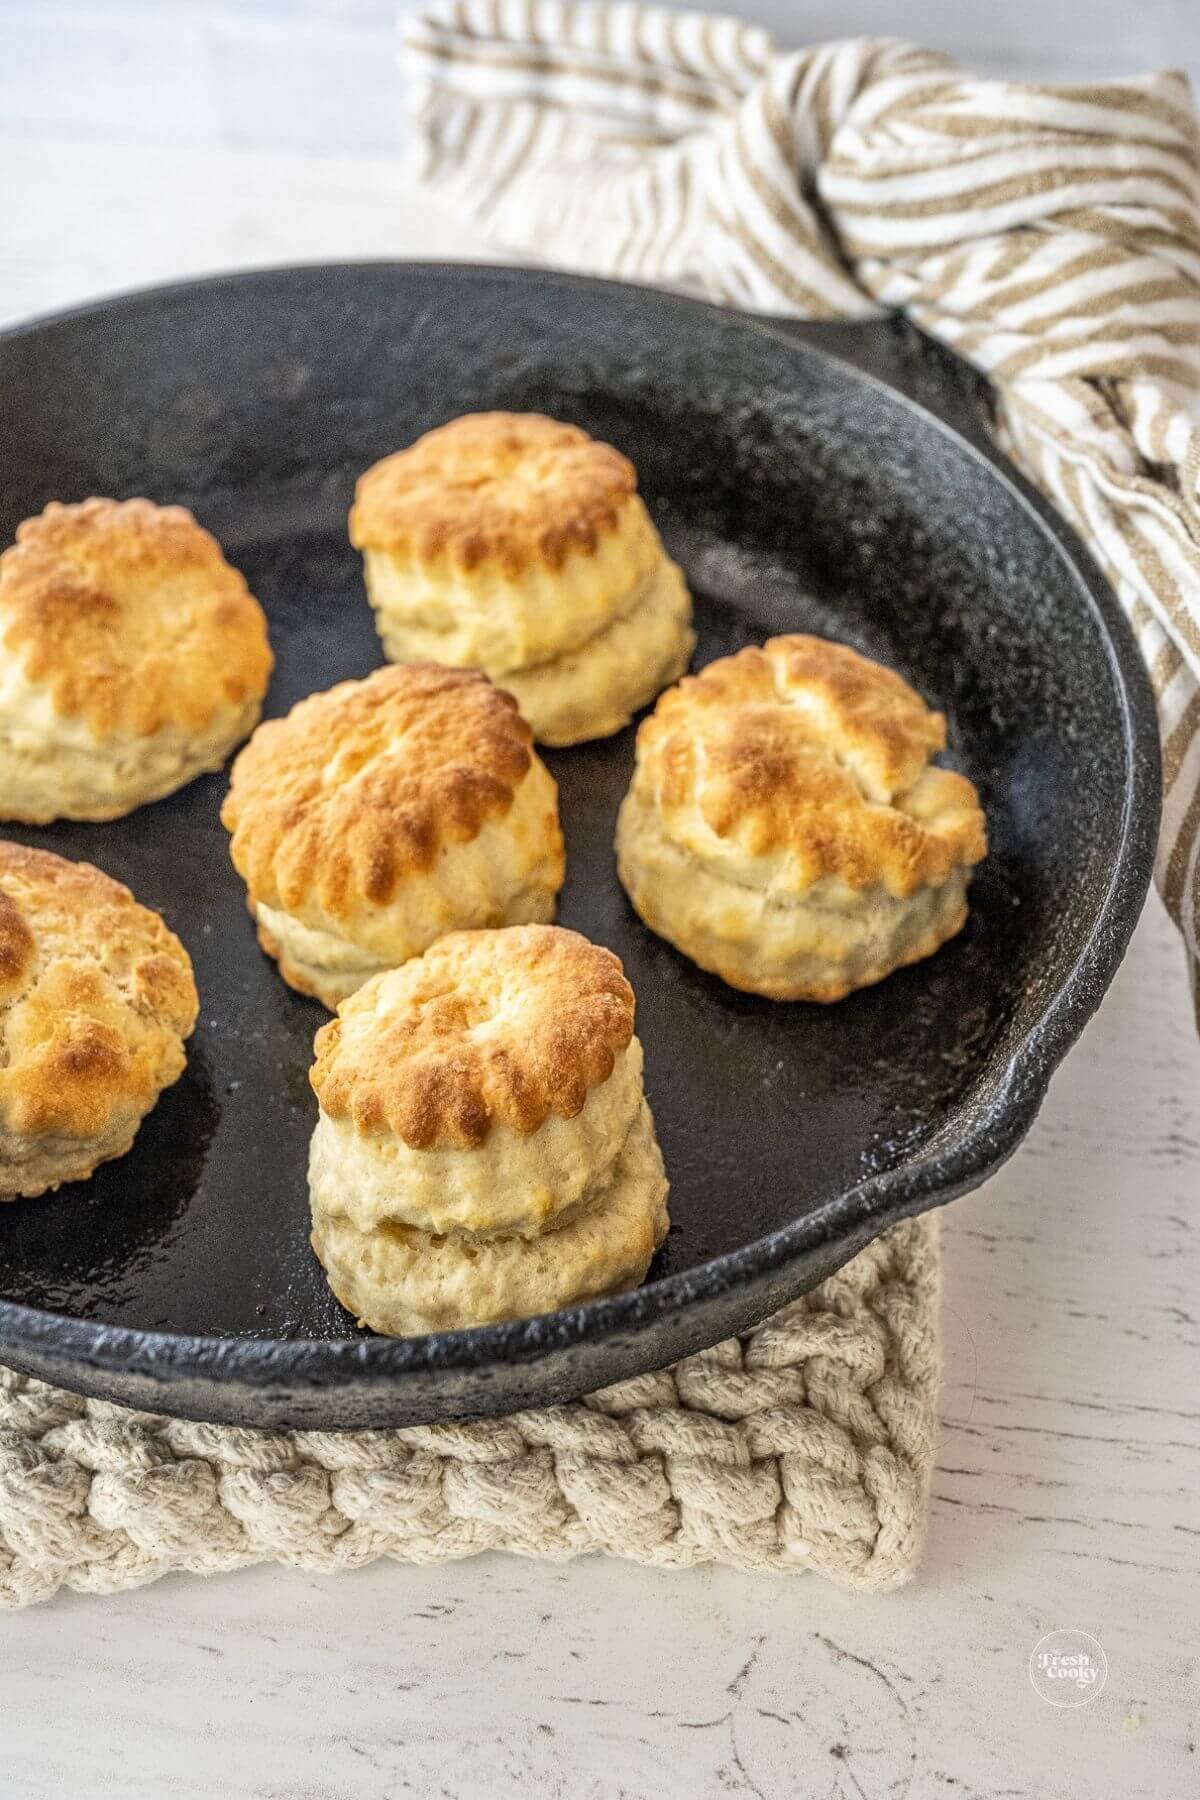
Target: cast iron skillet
(798, 493)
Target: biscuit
(786, 829)
(514, 544)
(379, 816)
(135, 659)
(400, 1281)
(484, 1150)
(96, 999)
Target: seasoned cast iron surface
(797, 497)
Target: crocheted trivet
(807, 1444)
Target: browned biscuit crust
(361, 787)
(96, 996)
(129, 615)
(505, 489)
(486, 1027)
(804, 748)
(292, 972)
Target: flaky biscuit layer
(487, 1028)
(514, 1184)
(401, 1281)
(821, 947)
(51, 767)
(594, 690)
(488, 618)
(96, 998)
(30, 1167)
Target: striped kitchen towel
(1049, 234)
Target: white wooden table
(1069, 1467)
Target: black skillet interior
(797, 496)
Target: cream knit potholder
(807, 1444)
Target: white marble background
(1069, 1467)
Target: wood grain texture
(1069, 1465)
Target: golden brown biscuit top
(506, 489)
(360, 787)
(131, 617)
(805, 750)
(95, 995)
(488, 1027)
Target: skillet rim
(1001, 1113)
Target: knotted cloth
(1048, 234)
(807, 1444)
